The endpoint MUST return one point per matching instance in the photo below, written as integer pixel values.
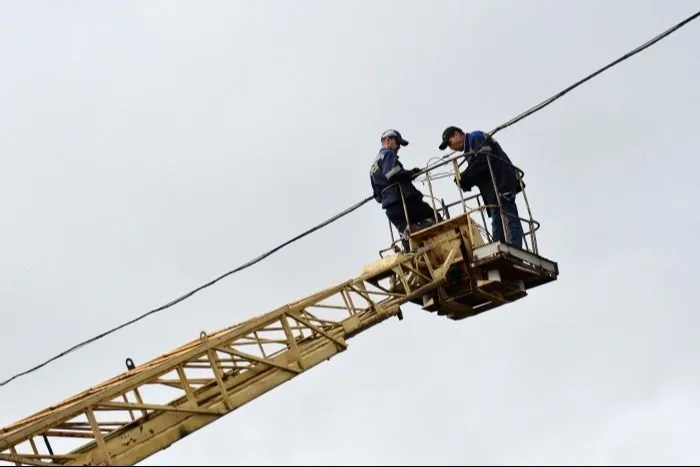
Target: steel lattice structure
(124, 420)
(448, 268)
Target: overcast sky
(147, 147)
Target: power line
(629, 54)
(192, 292)
(347, 211)
(578, 83)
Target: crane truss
(149, 407)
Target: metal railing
(448, 167)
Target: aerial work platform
(451, 267)
(483, 274)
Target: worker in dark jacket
(478, 174)
(390, 181)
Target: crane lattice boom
(448, 268)
(124, 420)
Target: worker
(478, 174)
(390, 181)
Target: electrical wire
(578, 83)
(347, 211)
(629, 54)
(192, 292)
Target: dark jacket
(387, 170)
(478, 174)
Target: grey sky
(146, 147)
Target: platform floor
(518, 271)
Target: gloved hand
(460, 185)
(413, 172)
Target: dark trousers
(418, 210)
(514, 226)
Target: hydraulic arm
(448, 269)
(147, 408)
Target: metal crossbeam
(144, 410)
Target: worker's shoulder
(385, 152)
(478, 134)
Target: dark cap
(395, 134)
(446, 135)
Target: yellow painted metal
(146, 409)
(451, 270)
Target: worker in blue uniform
(478, 174)
(390, 181)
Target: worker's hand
(460, 184)
(413, 172)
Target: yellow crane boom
(123, 421)
(449, 269)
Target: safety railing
(448, 168)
